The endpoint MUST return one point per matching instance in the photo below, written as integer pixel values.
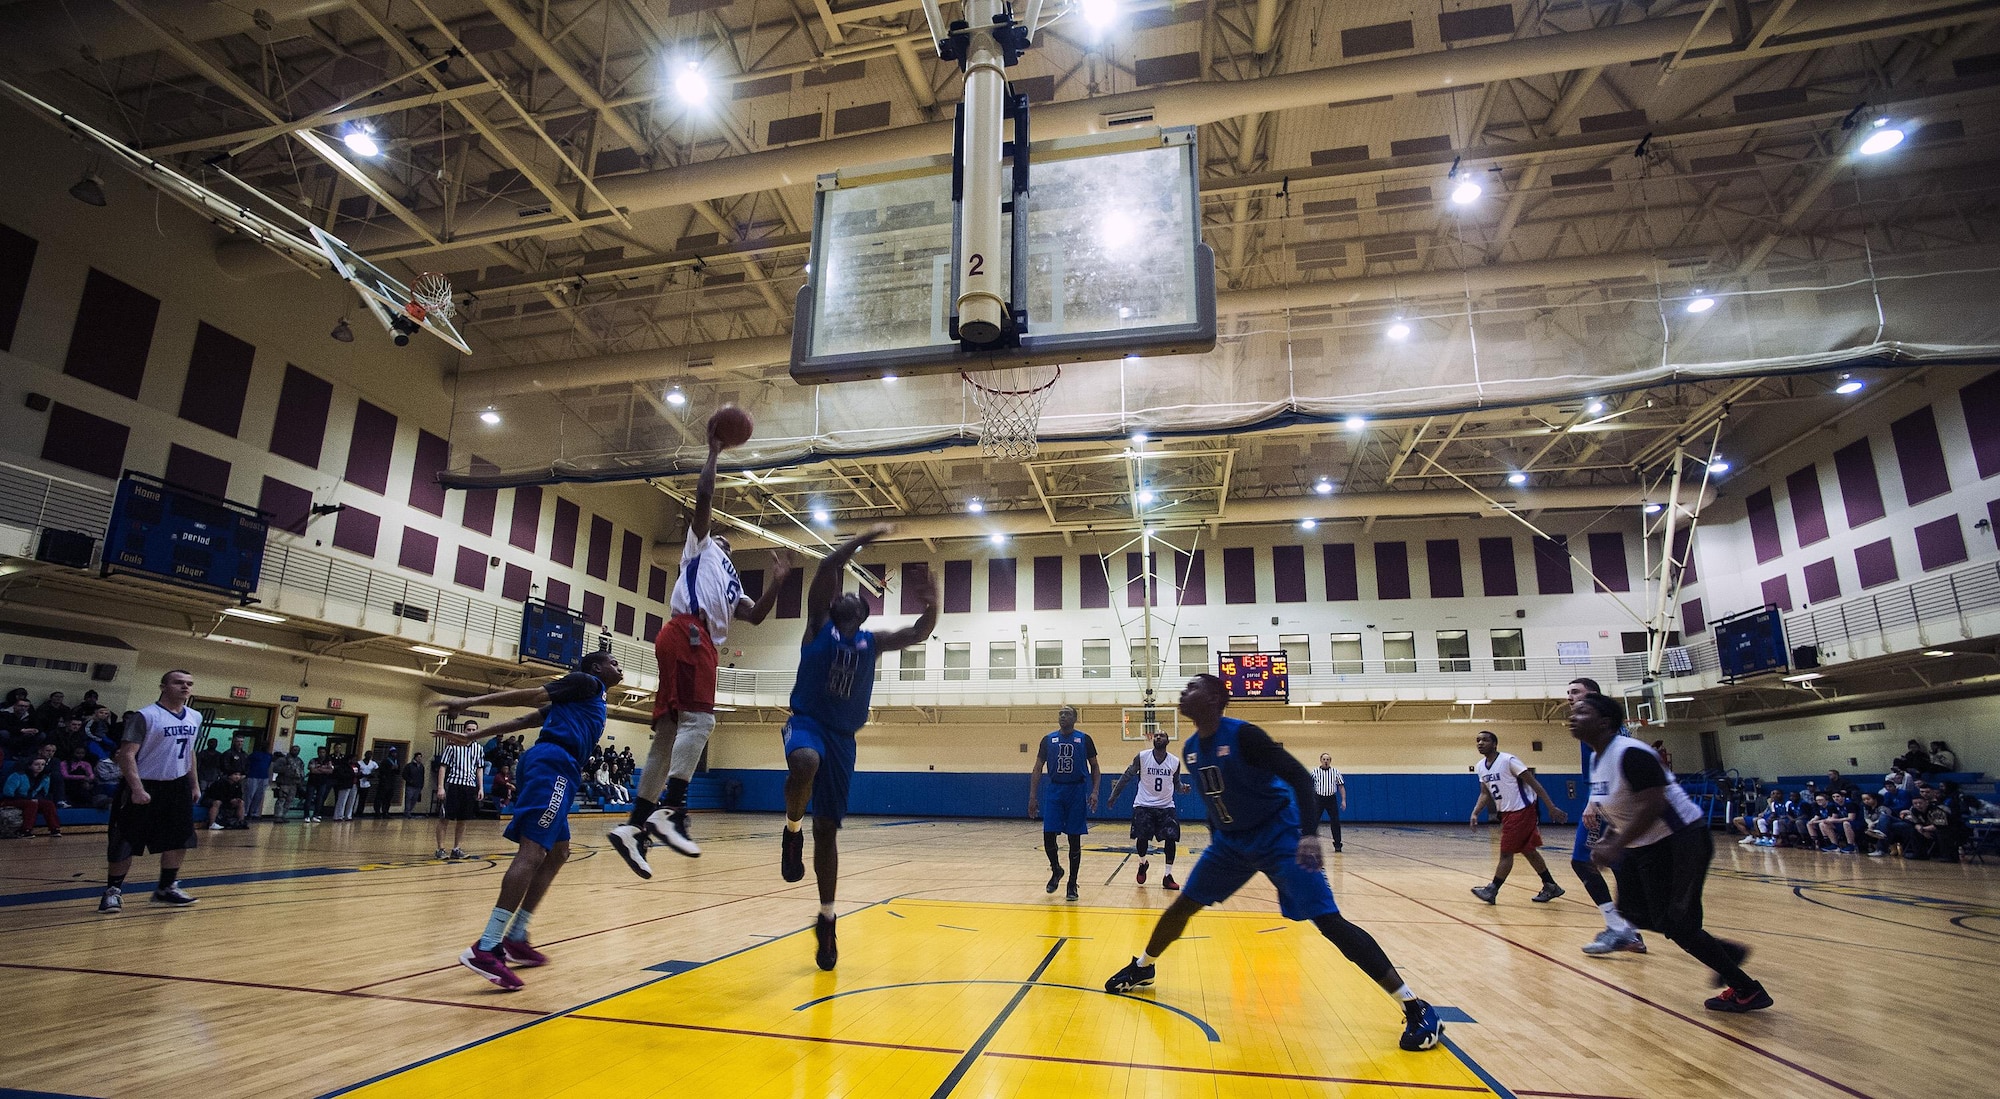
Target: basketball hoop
(432, 291)
(1010, 404)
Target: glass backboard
(384, 294)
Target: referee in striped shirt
(461, 774)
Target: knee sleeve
(1593, 881)
(1356, 945)
(690, 739)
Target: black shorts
(461, 802)
(1659, 885)
(165, 823)
(1155, 822)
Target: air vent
(702, 363)
(1868, 727)
(1749, 738)
(533, 211)
(1137, 117)
(414, 614)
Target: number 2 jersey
(836, 679)
(1242, 774)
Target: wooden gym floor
(322, 960)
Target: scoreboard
(1255, 677)
(551, 634)
(185, 537)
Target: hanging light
(1517, 478)
(1146, 496)
(1653, 509)
(490, 417)
(997, 538)
(1595, 408)
(1718, 466)
(360, 142)
(1848, 384)
(342, 331)
(1100, 14)
(676, 398)
(89, 190)
(1323, 486)
(691, 85)
(820, 515)
(1884, 138)
(974, 505)
(1308, 523)
(1700, 303)
(1398, 330)
(1356, 423)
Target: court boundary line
(264, 986)
(824, 1039)
(1248, 1073)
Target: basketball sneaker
(457, 853)
(792, 856)
(112, 901)
(1169, 884)
(670, 826)
(1486, 893)
(1740, 1000)
(1613, 942)
(1421, 1027)
(1070, 893)
(828, 952)
(1131, 977)
(1550, 891)
(519, 955)
(173, 895)
(1141, 878)
(440, 855)
(630, 843)
(490, 965)
(1055, 879)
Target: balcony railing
(1951, 607)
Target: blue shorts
(549, 782)
(836, 765)
(1064, 807)
(1231, 858)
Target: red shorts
(686, 655)
(1519, 831)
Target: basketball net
(1010, 404)
(432, 293)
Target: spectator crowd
(1917, 811)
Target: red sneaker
(1168, 883)
(519, 955)
(1141, 878)
(489, 964)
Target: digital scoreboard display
(1255, 677)
(551, 635)
(185, 537)
(1751, 643)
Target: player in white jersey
(707, 596)
(1658, 845)
(153, 811)
(1512, 791)
(1158, 774)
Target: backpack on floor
(10, 823)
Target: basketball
(730, 425)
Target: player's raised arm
(826, 578)
(704, 489)
(917, 632)
(536, 696)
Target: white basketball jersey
(1613, 797)
(708, 586)
(1156, 780)
(166, 750)
(1502, 781)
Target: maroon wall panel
(17, 261)
(791, 595)
(191, 468)
(113, 335)
(298, 431)
(218, 378)
(1552, 571)
(1496, 567)
(82, 441)
(525, 527)
(631, 549)
(370, 447)
(1875, 564)
(1860, 491)
(593, 608)
(622, 618)
(433, 455)
(1048, 583)
(562, 535)
(752, 580)
(914, 573)
(957, 587)
(1681, 537)
(656, 584)
(1607, 560)
(1446, 566)
(1191, 578)
(290, 506)
(1940, 543)
(1808, 510)
(1764, 537)
(597, 562)
(419, 552)
(1239, 575)
(1003, 585)
(874, 601)
(1778, 592)
(558, 594)
(1981, 401)
(1343, 576)
(1692, 621)
(1920, 456)
(471, 569)
(1288, 573)
(1093, 587)
(357, 531)
(1392, 570)
(516, 583)
(1135, 580)
(652, 630)
(1822, 581)
(481, 504)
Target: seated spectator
(1898, 788)
(1875, 821)
(1837, 783)
(30, 791)
(224, 798)
(1914, 758)
(1944, 761)
(22, 747)
(1840, 829)
(51, 714)
(18, 715)
(77, 774)
(1907, 832)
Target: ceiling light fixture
(691, 85)
(342, 331)
(1720, 465)
(1323, 486)
(1308, 523)
(360, 142)
(676, 398)
(1678, 698)
(1146, 496)
(1356, 423)
(974, 506)
(1653, 509)
(430, 650)
(1848, 385)
(1138, 438)
(1938, 652)
(1700, 303)
(1100, 14)
(1474, 701)
(997, 538)
(820, 515)
(1398, 330)
(1883, 138)
(89, 190)
(1517, 478)
(254, 616)
(889, 378)
(1803, 677)
(1595, 408)
(490, 417)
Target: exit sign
(239, 692)
(334, 704)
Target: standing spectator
(31, 790)
(413, 783)
(1666, 757)
(461, 769)
(235, 759)
(346, 790)
(319, 783)
(154, 807)
(386, 777)
(1837, 784)
(365, 784)
(224, 798)
(208, 762)
(77, 774)
(256, 778)
(1331, 786)
(288, 772)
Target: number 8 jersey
(1157, 779)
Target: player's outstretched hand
(1310, 857)
(449, 705)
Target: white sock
(1404, 994)
(1613, 920)
(794, 825)
(1146, 959)
(826, 911)
(1170, 868)
(518, 930)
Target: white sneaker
(1746, 841)
(215, 827)
(669, 826)
(630, 843)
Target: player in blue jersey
(829, 705)
(1618, 934)
(570, 713)
(1070, 795)
(1255, 828)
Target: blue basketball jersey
(836, 679)
(575, 719)
(1068, 757)
(1238, 795)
